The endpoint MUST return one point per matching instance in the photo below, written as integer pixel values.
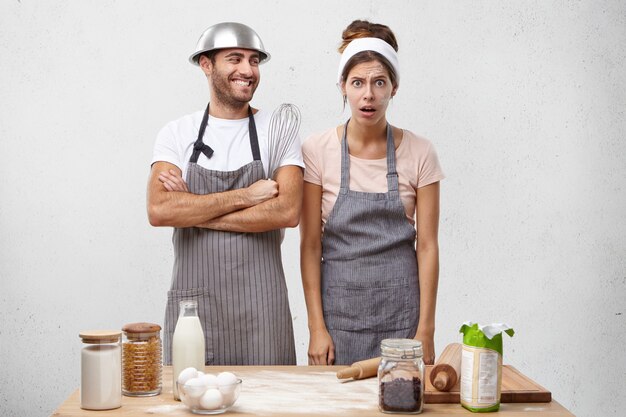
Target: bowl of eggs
(207, 393)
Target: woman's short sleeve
(311, 154)
(429, 169)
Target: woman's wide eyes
(359, 83)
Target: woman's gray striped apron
(237, 278)
(370, 285)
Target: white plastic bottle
(188, 341)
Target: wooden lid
(100, 336)
(141, 328)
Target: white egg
(226, 378)
(226, 382)
(211, 399)
(209, 380)
(195, 387)
(228, 398)
(190, 402)
(186, 374)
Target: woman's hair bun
(364, 29)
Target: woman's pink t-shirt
(416, 162)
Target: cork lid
(141, 328)
(100, 336)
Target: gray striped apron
(370, 288)
(237, 278)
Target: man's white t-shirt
(229, 140)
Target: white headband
(369, 44)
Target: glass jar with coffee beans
(401, 376)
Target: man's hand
(262, 190)
(170, 203)
(258, 192)
(272, 204)
(257, 208)
(172, 181)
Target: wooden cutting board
(516, 388)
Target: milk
(187, 346)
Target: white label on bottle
(480, 377)
(488, 377)
(467, 370)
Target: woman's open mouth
(367, 111)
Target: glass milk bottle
(188, 342)
(100, 370)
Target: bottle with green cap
(481, 366)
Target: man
(208, 181)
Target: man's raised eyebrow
(240, 54)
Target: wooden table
(300, 391)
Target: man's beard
(226, 94)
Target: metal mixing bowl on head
(229, 35)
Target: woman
(368, 187)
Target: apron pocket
(202, 296)
(360, 309)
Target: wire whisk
(283, 131)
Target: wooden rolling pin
(360, 369)
(447, 369)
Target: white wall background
(525, 102)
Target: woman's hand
(172, 181)
(428, 345)
(321, 348)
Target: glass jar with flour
(100, 370)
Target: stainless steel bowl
(229, 35)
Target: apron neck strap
(254, 138)
(392, 174)
(200, 147)
(345, 161)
